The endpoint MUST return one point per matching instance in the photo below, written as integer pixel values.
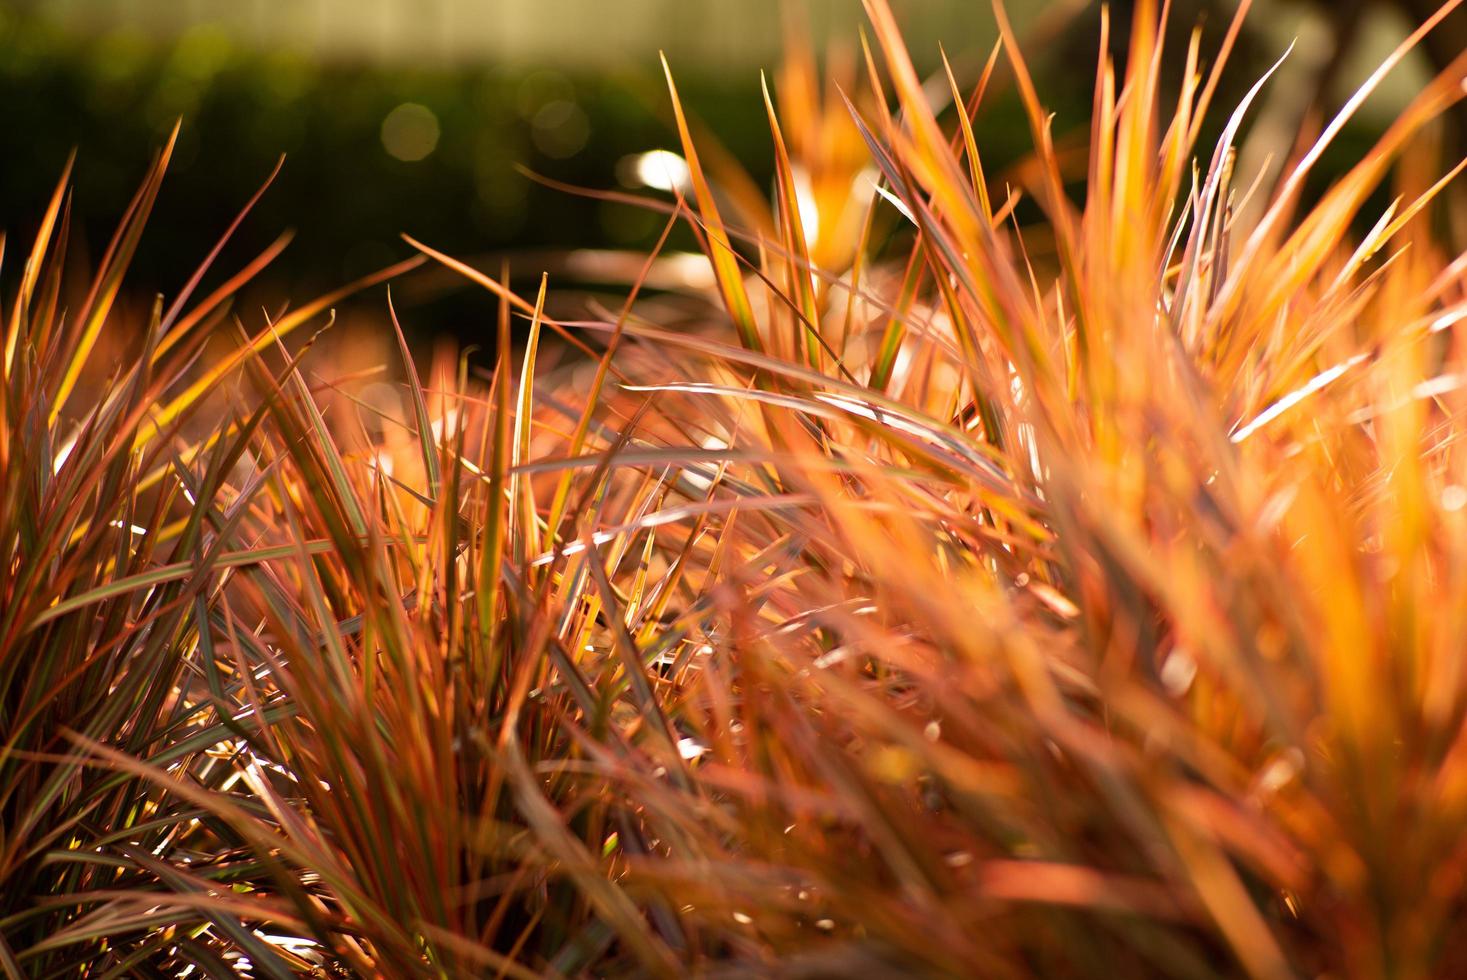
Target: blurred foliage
(113, 94)
(115, 97)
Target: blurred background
(419, 116)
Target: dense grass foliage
(957, 596)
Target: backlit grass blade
(720, 250)
(32, 272)
(420, 406)
(265, 338)
(792, 228)
(98, 305)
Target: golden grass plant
(1084, 598)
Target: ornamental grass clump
(961, 596)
